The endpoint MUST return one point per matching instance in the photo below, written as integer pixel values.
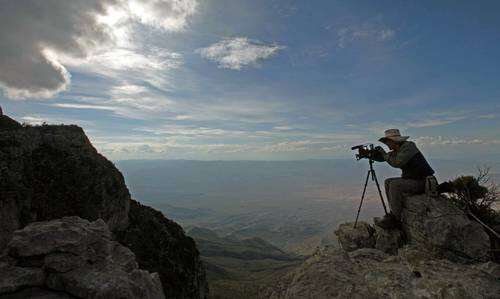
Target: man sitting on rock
(405, 155)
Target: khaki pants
(394, 189)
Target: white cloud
(446, 141)
(50, 119)
(42, 40)
(237, 53)
(283, 128)
(487, 116)
(154, 148)
(365, 32)
(386, 34)
(122, 59)
(435, 122)
(83, 106)
(170, 15)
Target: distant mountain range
(290, 204)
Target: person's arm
(400, 158)
(379, 154)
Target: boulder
(70, 235)
(37, 293)
(73, 257)
(388, 240)
(438, 226)
(15, 278)
(352, 238)
(370, 273)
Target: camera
(365, 151)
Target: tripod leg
(362, 198)
(374, 176)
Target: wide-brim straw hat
(394, 135)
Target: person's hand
(379, 154)
(380, 149)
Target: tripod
(371, 173)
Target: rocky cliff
(438, 253)
(72, 257)
(160, 245)
(50, 172)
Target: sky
(256, 80)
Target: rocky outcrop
(160, 245)
(353, 236)
(438, 226)
(434, 225)
(7, 123)
(50, 172)
(364, 235)
(438, 253)
(370, 273)
(72, 257)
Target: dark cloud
(35, 35)
(30, 29)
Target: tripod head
(365, 151)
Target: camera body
(365, 151)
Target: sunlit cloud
(38, 54)
(172, 148)
(238, 53)
(451, 141)
(435, 122)
(80, 106)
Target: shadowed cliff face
(160, 245)
(54, 171)
(49, 172)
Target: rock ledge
(72, 257)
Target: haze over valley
(293, 205)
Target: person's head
(393, 139)
(393, 145)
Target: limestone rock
(54, 171)
(490, 268)
(440, 227)
(364, 273)
(15, 278)
(37, 293)
(74, 257)
(9, 221)
(388, 240)
(71, 235)
(430, 266)
(352, 238)
(368, 254)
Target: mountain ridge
(52, 171)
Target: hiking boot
(389, 221)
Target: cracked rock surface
(72, 258)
